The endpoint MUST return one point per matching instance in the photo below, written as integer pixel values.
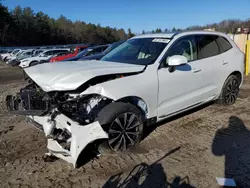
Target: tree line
(23, 27)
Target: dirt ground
(190, 150)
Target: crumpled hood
(69, 75)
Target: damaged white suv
(146, 79)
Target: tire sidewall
(109, 113)
(222, 99)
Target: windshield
(140, 51)
(15, 52)
(37, 52)
(19, 53)
(84, 52)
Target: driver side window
(185, 46)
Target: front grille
(32, 100)
(28, 102)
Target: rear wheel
(123, 123)
(230, 91)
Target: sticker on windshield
(161, 40)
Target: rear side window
(207, 46)
(224, 44)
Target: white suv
(5, 56)
(109, 102)
(31, 61)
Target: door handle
(224, 62)
(196, 70)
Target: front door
(179, 88)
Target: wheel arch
(88, 153)
(238, 74)
(34, 61)
(136, 101)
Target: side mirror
(177, 60)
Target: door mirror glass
(176, 60)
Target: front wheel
(123, 123)
(229, 91)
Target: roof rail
(176, 33)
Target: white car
(27, 62)
(109, 102)
(22, 53)
(5, 56)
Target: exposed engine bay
(32, 100)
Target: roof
(158, 35)
(171, 35)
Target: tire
(111, 118)
(5, 59)
(229, 91)
(33, 63)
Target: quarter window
(224, 44)
(207, 46)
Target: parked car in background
(5, 56)
(91, 51)
(98, 56)
(73, 53)
(37, 52)
(109, 103)
(56, 55)
(7, 60)
(42, 56)
(14, 61)
(21, 55)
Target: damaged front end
(67, 119)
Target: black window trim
(215, 42)
(220, 47)
(194, 35)
(177, 40)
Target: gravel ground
(190, 150)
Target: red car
(70, 55)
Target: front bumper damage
(66, 139)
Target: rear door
(227, 57)
(211, 62)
